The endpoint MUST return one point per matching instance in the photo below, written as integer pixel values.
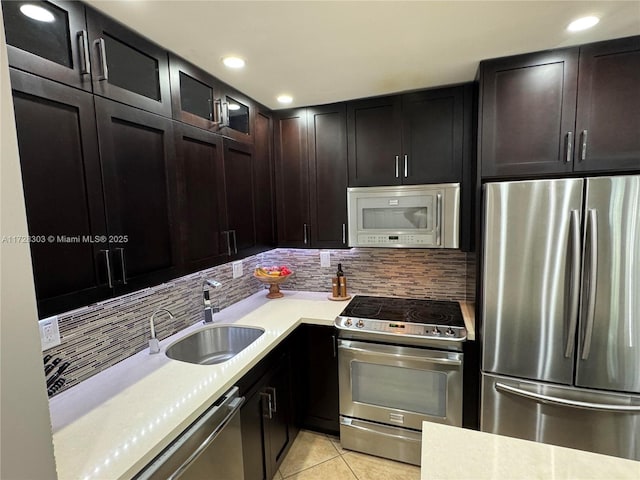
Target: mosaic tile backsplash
(100, 335)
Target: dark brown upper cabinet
(240, 191)
(140, 189)
(374, 129)
(608, 115)
(528, 113)
(127, 67)
(561, 111)
(264, 180)
(327, 140)
(311, 177)
(202, 197)
(63, 192)
(409, 139)
(237, 115)
(57, 48)
(194, 95)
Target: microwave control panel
(396, 240)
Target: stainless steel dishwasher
(211, 448)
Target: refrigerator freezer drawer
(607, 423)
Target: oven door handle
(403, 356)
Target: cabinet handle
(269, 407)
(583, 146)
(438, 218)
(397, 166)
(333, 344)
(344, 234)
(83, 48)
(304, 233)
(224, 113)
(227, 234)
(235, 243)
(568, 147)
(107, 260)
(102, 53)
(123, 265)
(216, 109)
(272, 394)
(406, 166)
(211, 115)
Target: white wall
(26, 448)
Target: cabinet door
(193, 94)
(57, 48)
(374, 141)
(528, 113)
(127, 67)
(263, 174)
(432, 136)
(321, 409)
(138, 156)
(292, 178)
(278, 431)
(63, 192)
(236, 114)
(202, 197)
(608, 118)
(327, 128)
(253, 441)
(238, 173)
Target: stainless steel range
(400, 363)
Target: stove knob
(360, 324)
(348, 323)
(450, 332)
(435, 331)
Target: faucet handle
(211, 283)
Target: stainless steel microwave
(404, 216)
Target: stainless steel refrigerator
(561, 312)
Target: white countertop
(113, 424)
(456, 453)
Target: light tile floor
(316, 456)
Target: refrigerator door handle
(592, 239)
(563, 402)
(574, 295)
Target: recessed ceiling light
(37, 13)
(233, 62)
(583, 23)
(285, 99)
(234, 106)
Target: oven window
(395, 218)
(420, 391)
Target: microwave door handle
(438, 219)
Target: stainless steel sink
(215, 344)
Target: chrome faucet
(154, 343)
(208, 309)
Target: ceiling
(328, 51)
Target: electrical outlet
(49, 332)
(325, 259)
(237, 268)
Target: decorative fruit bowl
(273, 276)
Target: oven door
(400, 386)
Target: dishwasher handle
(234, 408)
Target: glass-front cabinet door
(237, 115)
(49, 39)
(194, 95)
(127, 67)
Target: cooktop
(432, 312)
(403, 317)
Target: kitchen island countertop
(450, 453)
(113, 424)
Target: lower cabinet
(268, 427)
(318, 379)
